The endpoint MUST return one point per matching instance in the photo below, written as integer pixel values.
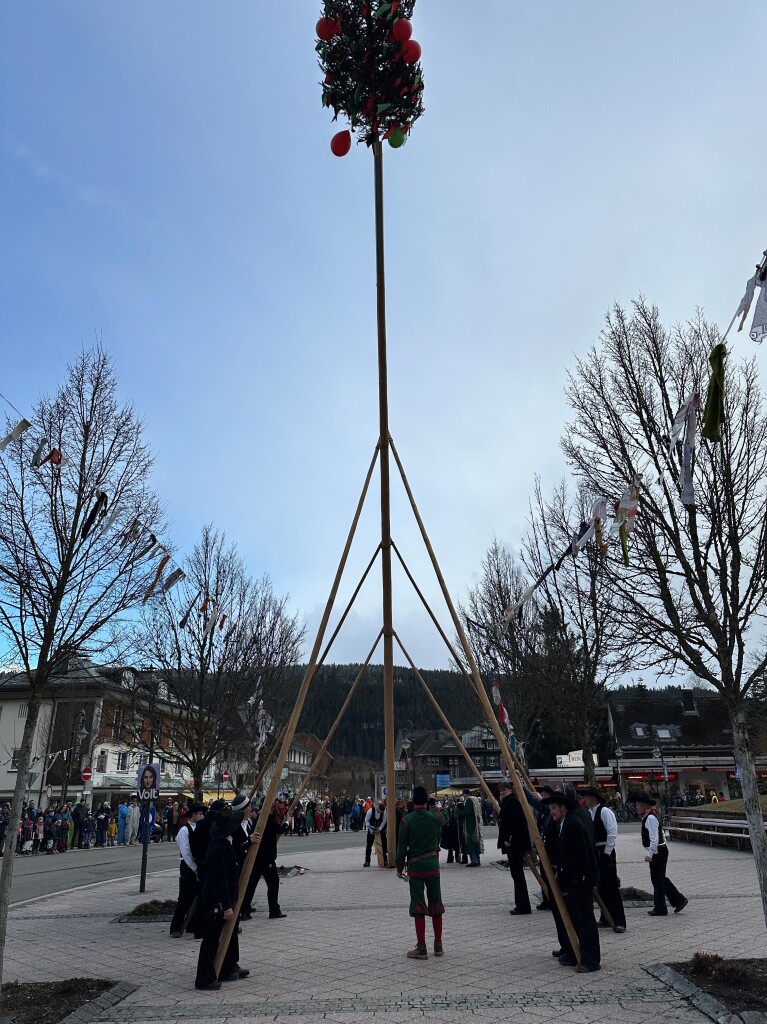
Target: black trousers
(187, 893)
(370, 843)
(580, 903)
(663, 888)
(271, 876)
(214, 925)
(609, 888)
(521, 897)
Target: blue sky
(167, 184)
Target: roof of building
(683, 720)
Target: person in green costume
(471, 816)
(418, 846)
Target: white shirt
(369, 815)
(184, 849)
(610, 823)
(650, 821)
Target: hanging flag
(158, 573)
(147, 549)
(503, 716)
(495, 689)
(35, 461)
(758, 330)
(623, 534)
(185, 618)
(132, 533)
(110, 521)
(261, 739)
(15, 434)
(687, 488)
(99, 509)
(626, 508)
(713, 413)
(55, 458)
(205, 604)
(745, 302)
(175, 577)
(223, 620)
(680, 422)
(210, 625)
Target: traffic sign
(225, 774)
(86, 774)
(49, 791)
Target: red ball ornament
(341, 143)
(329, 78)
(327, 28)
(402, 30)
(411, 51)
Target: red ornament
(341, 143)
(402, 30)
(411, 51)
(328, 78)
(327, 28)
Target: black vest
(646, 831)
(376, 818)
(600, 832)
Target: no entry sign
(86, 774)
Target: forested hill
(361, 733)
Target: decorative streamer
(185, 618)
(110, 520)
(687, 488)
(758, 330)
(15, 434)
(223, 620)
(55, 458)
(99, 509)
(623, 534)
(210, 626)
(713, 413)
(205, 604)
(158, 573)
(148, 547)
(175, 577)
(35, 461)
(680, 422)
(132, 533)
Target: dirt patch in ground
(47, 1002)
(154, 908)
(738, 984)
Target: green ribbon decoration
(713, 412)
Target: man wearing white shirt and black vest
(375, 823)
(605, 837)
(187, 883)
(656, 855)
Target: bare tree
(695, 594)
(577, 607)
(221, 644)
(63, 586)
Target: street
(44, 875)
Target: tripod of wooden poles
(384, 447)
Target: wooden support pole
(348, 608)
(316, 760)
(290, 728)
(445, 721)
(383, 409)
(491, 718)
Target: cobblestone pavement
(340, 954)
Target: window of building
(15, 759)
(101, 761)
(492, 762)
(163, 766)
(479, 761)
(639, 731)
(178, 769)
(117, 724)
(433, 760)
(122, 762)
(22, 711)
(664, 733)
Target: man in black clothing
(199, 841)
(218, 897)
(656, 855)
(514, 841)
(187, 882)
(265, 866)
(577, 874)
(605, 836)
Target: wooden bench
(724, 828)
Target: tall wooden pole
(383, 408)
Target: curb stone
(91, 1010)
(701, 1000)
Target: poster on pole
(148, 781)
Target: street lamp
(657, 753)
(79, 732)
(618, 756)
(407, 744)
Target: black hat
(467, 792)
(591, 791)
(240, 802)
(197, 809)
(546, 789)
(420, 796)
(225, 823)
(506, 784)
(644, 798)
(558, 798)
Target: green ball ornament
(397, 138)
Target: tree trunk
(744, 758)
(6, 871)
(589, 769)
